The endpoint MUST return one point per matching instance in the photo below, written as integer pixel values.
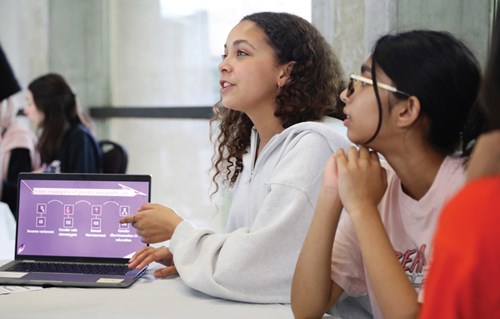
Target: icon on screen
(41, 208)
(96, 223)
(96, 209)
(68, 222)
(68, 209)
(124, 210)
(40, 222)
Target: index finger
(374, 156)
(129, 219)
(340, 158)
(364, 152)
(146, 206)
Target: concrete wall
(352, 26)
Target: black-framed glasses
(354, 77)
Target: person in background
(66, 144)
(463, 280)
(18, 152)
(411, 104)
(278, 79)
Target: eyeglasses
(354, 78)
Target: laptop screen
(77, 215)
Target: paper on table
(12, 289)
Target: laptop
(68, 231)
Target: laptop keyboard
(70, 268)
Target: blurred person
(18, 151)
(66, 143)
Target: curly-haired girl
(278, 79)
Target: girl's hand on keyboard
(147, 255)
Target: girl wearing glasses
(411, 104)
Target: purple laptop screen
(78, 218)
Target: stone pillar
(352, 26)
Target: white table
(147, 298)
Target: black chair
(114, 157)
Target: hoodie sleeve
(255, 263)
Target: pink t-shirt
(410, 225)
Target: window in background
(165, 53)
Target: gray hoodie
(273, 203)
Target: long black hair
(442, 73)
(56, 100)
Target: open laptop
(68, 226)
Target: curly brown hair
(312, 92)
